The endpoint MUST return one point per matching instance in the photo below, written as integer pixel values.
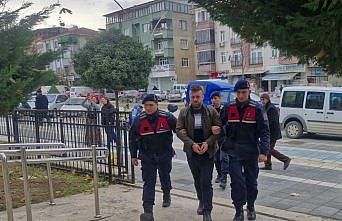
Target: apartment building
(167, 28)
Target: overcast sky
(86, 13)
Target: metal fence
(76, 129)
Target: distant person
(93, 134)
(108, 119)
(275, 134)
(42, 104)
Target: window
(293, 99)
(275, 53)
(237, 58)
(126, 32)
(282, 53)
(235, 39)
(256, 56)
(222, 36)
(184, 44)
(162, 45)
(146, 27)
(317, 71)
(315, 100)
(205, 36)
(202, 16)
(223, 57)
(163, 61)
(183, 25)
(336, 101)
(206, 57)
(61, 98)
(185, 62)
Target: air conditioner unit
(222, 44)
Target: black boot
(251, 215)
(207, 217)
(223, 183)
(166, 199)
(218, 179)
(146, 217)
(238, 214)
(200, 208)
(148, 213)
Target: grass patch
(64, 183)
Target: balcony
(163, 33)
(235, 42)
(258, 61)
(236, 64)
(167, 52)
(167, 70)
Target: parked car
(312, 110)
(76, 104)
(56, 101)
(80, 91)
(132, 94)
(160, 94)
(226, 90)
(175, 96)
(110, 94)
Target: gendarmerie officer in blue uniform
(247, 142)
(151, 136)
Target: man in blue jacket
(151, 136)
(247, 143)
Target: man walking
(275, 132)
(42, 104)
(151, 135)
(247, 142)
(221, 158)
(198, 126)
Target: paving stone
(325, 211)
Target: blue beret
(241, 84)
(150, 97)
(215, 94)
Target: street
(312, 184)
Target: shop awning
(279, 77)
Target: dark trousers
(202, 171)
(150, 163)
(279, 156)
(221, 163)
(244, 185)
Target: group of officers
(234, 138)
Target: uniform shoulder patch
(253, 103)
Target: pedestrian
(221, 158)
(93, 134)
(247, 142)
(199, 127)
(275, 134)
(108, 119)
(151, 136)
(42, 105)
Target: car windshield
(75, 101)
(51, 98)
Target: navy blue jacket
(246, 140)
(157, 143)
(42, 102)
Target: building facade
(71, 40)
(167, 28)
(221, 53)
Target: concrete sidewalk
(123, 203)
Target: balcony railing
(236, 63)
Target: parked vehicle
(160, 94)
(110, 94)
(56, 101)
(80, 91)
(132, 94)
(312, 110)
(226, 90)
(76, 104)
(175, 96)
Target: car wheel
(294, 129)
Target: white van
(312, 110)
(80, 91)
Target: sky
(86, 13)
